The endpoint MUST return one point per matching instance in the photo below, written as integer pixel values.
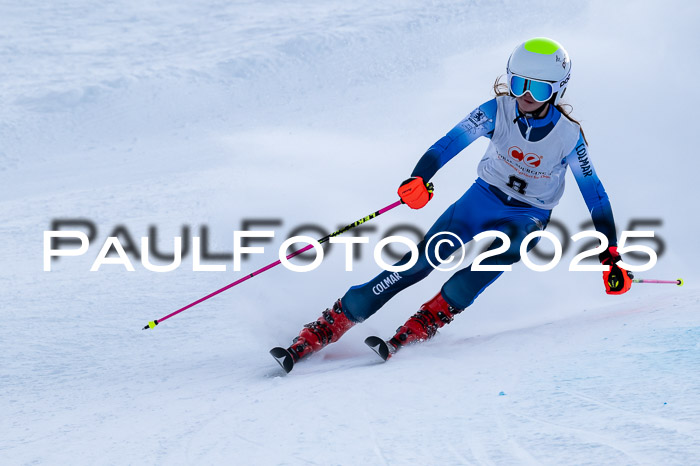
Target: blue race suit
(487, 207)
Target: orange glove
(617, 280)
(415, 193)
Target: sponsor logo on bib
(530, 159)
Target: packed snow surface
(191, 118)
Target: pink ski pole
(153, 323)
(678, 282)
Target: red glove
(617, 280)
(415, 193)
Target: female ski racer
(520, 179)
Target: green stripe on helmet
(542, 45)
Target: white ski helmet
(536, 62)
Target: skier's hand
(415, 193)
(617, 280)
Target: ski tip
(379, 346)
(283, 358)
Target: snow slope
(175, 113)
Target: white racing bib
(531, 172)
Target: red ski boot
(423, 325)
(332, 325)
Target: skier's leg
(463, 218)
(362, 301)
(466, 285)
(334, 322)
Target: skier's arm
(480, 122)
(592, 190)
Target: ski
(379, 346)
(283, 358)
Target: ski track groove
(457, 454)
(480, 453)
(686, 428)
(375, 444)
(516, 449)
(620, 445)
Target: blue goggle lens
(541, 91)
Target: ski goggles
(541, 91)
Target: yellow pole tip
(680, 282)
(152, 324)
